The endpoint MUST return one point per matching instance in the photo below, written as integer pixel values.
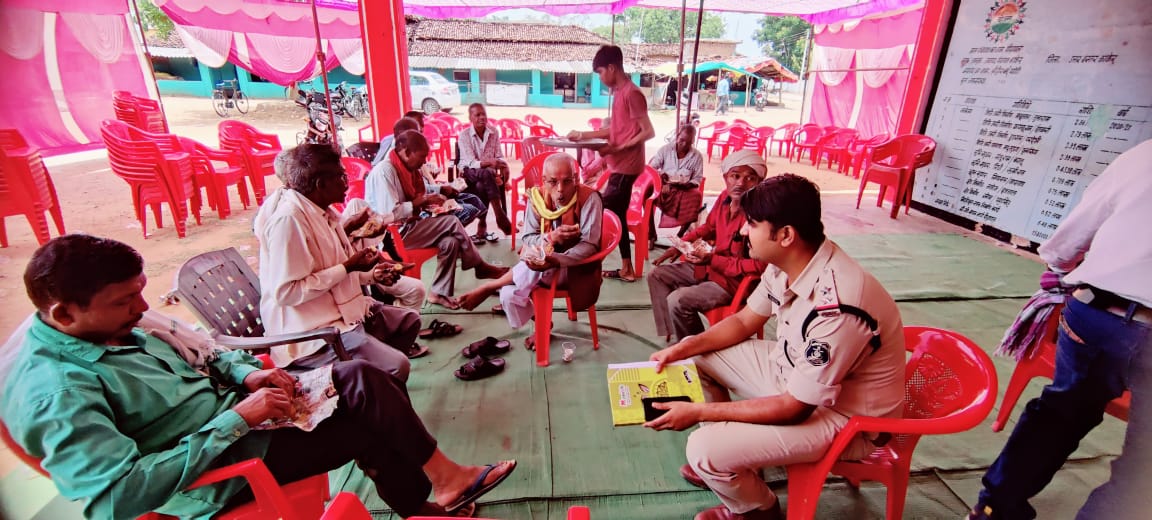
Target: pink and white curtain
(860, 71)
(66, 59)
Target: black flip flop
(479, 368)
(478, 240)
(487, 347)
(416, 351)
(440, 329)
(492, 237)
(615, 275)
(479, 488)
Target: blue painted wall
(514, 76)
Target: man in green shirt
(125, 423)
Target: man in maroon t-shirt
(626, 134)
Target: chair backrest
(18, 450)
(510, 129)
(24, 182)
(786, 132)
(808, 135)
(950, 384)
(843, 138)
(533, 171)
(223, 291)
(357, 170)
(533, 147)
(595, 123)
(610, 233)
(541, 131)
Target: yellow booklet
(632, 386)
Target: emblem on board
(817, 353)
(1004, 19)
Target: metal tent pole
(148, 57)
(695, 56)
(335, 138)
(805, 72)
(680, 61)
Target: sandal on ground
(478, 239)
(487, 347)
(416, 351)
(440, 329)
(479, 488)
(691, 477)
(498, 310)
(479, 368)
(492, 237)
(615, 275)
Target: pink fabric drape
(89, 79)
(832, 104)
(26, 104)
(880, 106)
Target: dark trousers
(617, 196)
(374, 425)
(1102, 356)
(482, 183)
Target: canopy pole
(148, 57)
(695, 56)
(680, 61)
(335, 139)
(805, 72)
(747, 91)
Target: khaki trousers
(729, 455)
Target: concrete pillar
(474, 82)
(386, 62)
(535, 82)
(206, 77)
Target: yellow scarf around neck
(540, 206)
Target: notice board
(1035, 99)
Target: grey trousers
(678, 298)
(446, 234)
(393, 332)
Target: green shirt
(127, 429)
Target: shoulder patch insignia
(827, 299)
(817, 353)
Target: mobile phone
(651, 414)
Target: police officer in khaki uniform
(839, 352)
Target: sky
(737, 26)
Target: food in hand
(373, 227)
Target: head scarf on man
(745, 158)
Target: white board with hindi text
(1035, 99)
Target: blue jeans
(1103, 355)
(470, 207)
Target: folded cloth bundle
(1026, 332)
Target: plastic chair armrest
(264, 486)
(329, 334)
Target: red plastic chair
(712, 129)
(833, 146)
(436, 139)
(299, 500)
(893, 164)
(596, 123)
(784, 137)
(542, 297)
(1042, 363)
(855, 157)
(806, 138)
(357, 170)
(154, 176)
(258, 149)
(761, 140)
(541, 131)
(639, 211)
(533, 119)
(743, 291)
(216, 178)
(529, 177)
(950, 387)
(140, 112)
(417, 255)
(26, 188)
(738, 136)
(511, 136)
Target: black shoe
(416, 351)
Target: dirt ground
(95, 201)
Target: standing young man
(626, 134)
(723, 91)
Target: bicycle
(227, 95)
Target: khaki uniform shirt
(834, 365)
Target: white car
(431, 92)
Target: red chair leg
(897, 491)
(595, 329)
(804, 488)
(3, 233)
(57, 218)
(39, 226)
(542, 301)
(1025, 371)
(571, 311)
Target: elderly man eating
(561, 229)
(311, 276)
(681, 291)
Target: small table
(580, 146)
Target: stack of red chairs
(258, 149)
(140, 112)
(833, 146)
(155, 176)
(25, 187)
(855, 157)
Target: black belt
(1106, 300)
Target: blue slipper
(479, 488)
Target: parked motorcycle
(318, 131)
(355, 102)
(761, 98)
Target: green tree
(155, 19)
(784, 38)
(661, 25)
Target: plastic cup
(569, 351)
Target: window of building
(462, 75)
